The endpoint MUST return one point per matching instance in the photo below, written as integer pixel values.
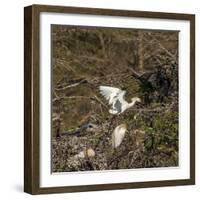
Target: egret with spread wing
(115, 97)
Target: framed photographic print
(109, 99)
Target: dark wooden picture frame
(32, 93)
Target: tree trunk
(140, 51)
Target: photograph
(114, 98)
(109, 99)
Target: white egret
(118, 135)
(115, 97)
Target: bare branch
(70, 86)
(55, 94)
(71, 97)
(100, 101)
(162, 47)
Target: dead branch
(92, 57)
(149, 110)
(54, 92)
(70, 86)
(80, 97)
(71, 97)
(100, 101)
(65, 64)
(162, 47)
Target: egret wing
(121, 96)
(110, 93)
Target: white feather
(109, 93)
(112, 95)
(118, 135)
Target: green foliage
(162, 138)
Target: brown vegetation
(145, 64)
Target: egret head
(123, 126)
(136, 99)
(91, 127)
